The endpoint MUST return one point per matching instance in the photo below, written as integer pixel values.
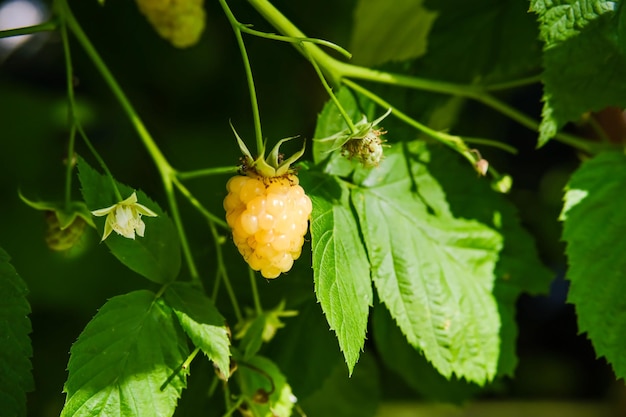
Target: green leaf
(308, 337)
(597, 266)
(411, 365)
(265, 388)
(472, 198)
(340, 265)
(390, 31)
(155, 256)
(519, 269)
(15, 346)
(498, 41)
(347, 396)
(127, 360)
(204, 325)
(434, 272)
(579, 37)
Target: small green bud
(62, 239)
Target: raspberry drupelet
(269, 218)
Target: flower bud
(367, 149)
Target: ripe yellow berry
(269, 218)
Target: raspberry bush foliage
(442, 162)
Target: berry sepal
(364, 143)
(274, 165)
(66, 222)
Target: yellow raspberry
(179, 21)
(269, 218)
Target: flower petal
(130, 200)
(145, 210)
(108, 226)
(103, 211)
(140, 227)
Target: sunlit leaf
(390, 31)
(412, 366)
(594, 223)
(433, 272)
(201, 321)
(127, 360)
(341, 270)
(15, 346)
(519, 268)
(579, 36)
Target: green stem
(216, 284)
(234, 407)
(163, 166)
(70, 165)
(165, 169)
(29, 30)
(273, 36)
(260, 146)
(338, 71)
(184, 243)
(213, 386)
(69, 73)
(507, 85)
(161, 291)
(194, 201)
(493, 143)
(329, 90)
(284, 26)
(103, 165)
(400, 80)
(207, 172)
(190, 358)
(532, 124)
(224, 274)
(454, 142)
(255, 292)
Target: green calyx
(66, 214)
(361, 130)
(275, 165)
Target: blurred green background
(186, 98)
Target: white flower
(125, 218)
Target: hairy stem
(255, 292)
(329, 90)
(194, 202)
(260, 146)
(103, 165)
(221, 267)
(207, 172)
(339, 71)
(71, 114)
